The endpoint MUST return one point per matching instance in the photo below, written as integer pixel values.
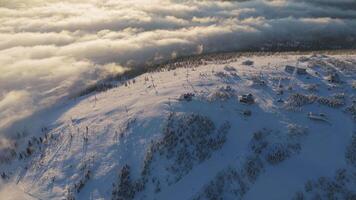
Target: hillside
(194, 132)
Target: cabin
(247, 98)
(247, 62)
(186, 97)
(300, 71)
(289, 68)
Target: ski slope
(198, 147)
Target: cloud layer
(51, 47)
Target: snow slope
(204, 146)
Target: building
(300, 71)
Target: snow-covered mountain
(241, 127)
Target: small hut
(248, 62)
(186, 97)
(300, 71)
(247, 98)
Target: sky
(51, 49)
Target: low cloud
(51, 48)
